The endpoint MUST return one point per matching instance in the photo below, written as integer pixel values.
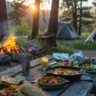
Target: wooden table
(77, 88)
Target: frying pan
(52, 86)
(68, 77)
(88, 71)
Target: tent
(92, 37)
(66, 31)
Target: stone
(5, 59)
(21, 57)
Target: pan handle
(83, 73)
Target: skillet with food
(69, 73)
(89, 68)
(70, 64)
(51, 82)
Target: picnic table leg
(93, 91)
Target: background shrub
(22, 30)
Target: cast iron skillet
(68, 77)
(88, 71)
(52, 86)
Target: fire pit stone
(5, 59)
(22, 56)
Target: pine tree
(19, 11)
(67, 7)
(3, 18)
(70, 12)
(36, 14)
(79, 14)
(53, 21)
(94, 3)
(94, 14)
(35, 25)
(85, 16)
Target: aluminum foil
(61, 56)
(77, 58)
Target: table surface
(77, 88)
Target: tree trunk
(35, 25)
(3, 18)
(80, 20)
(53, 21)
(75, 15)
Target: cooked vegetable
(62, 71)
(13, 86)
(89, 67)
(9, 91)
(12, 94)
(50, 80)
(62, 64)
(3, 93)
(65, 64)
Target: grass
(85, 46)
(85, 34)
(76, 44)
(70, 45)
(22, 42)
(63, 46)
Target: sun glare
(44, 6)
(33, 7)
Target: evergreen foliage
(22, 30)
(19, 11)
(94, 3)
(78, 14)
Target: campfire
(10, 46)
(11, 53)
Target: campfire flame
(10, 46)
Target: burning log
(10, 46)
